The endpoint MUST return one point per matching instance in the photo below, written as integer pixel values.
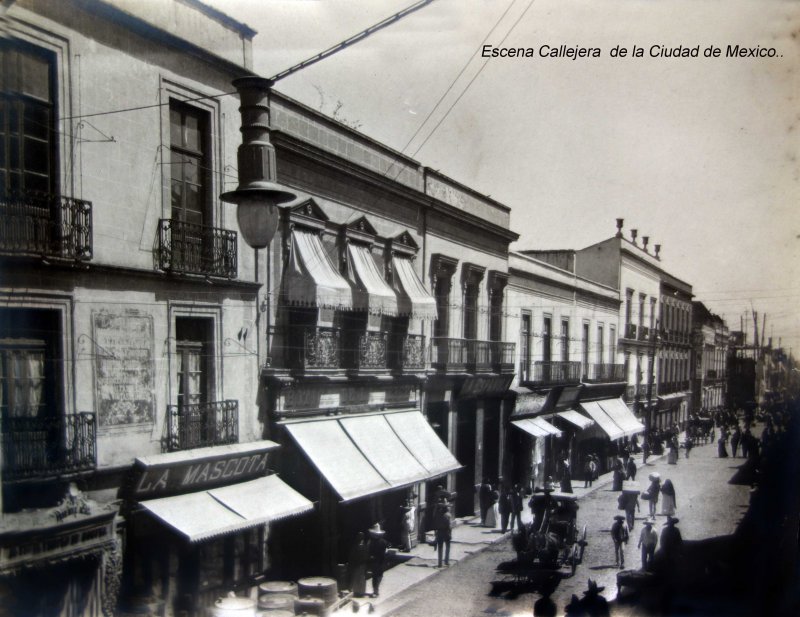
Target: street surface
(707, 506)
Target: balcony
(449, 354)
(407, 353)
(605, 373)
(371, 352)
(313, 348)
(630, 331)
(630, 392)
(37, 448)
(644, 333)
(554, 373)
(479, 356)
(185, 248)
(46, 226)
(503, 356)
(202, 425)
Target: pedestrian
(377, 556)
(688, 444)
(592, 604)
(408, 516)
(484, 498)
(492, 514)
(619, 535)
(619, 475)
(648, 540)
(589, 468)
(745, 441)
(504, 507)
(722, 450)
(645, 450)
(735, 439)
(359, 556)
(444, 534)
(668, 503)
(652, 492)
(631, 506)
(516, 507)
(566, 475)
(631, 469)
(671, 542)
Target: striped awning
(538, 427)
(371, 292)
(575, 418)
(311, 279)
(412, 297)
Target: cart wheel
(582, 544)
(573, 562)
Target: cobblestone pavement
(707, 506)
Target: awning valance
(575, 418)
(623, 417)
(603, 420)
(221, 511)
(371, 292)
(365, 455)
(412, 297)
(311, 279)
(538, 427)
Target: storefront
(209, 511)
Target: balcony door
(194, 348)
(525, 346)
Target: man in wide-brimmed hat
(619, 535)
(671, 540)
(377, 556)
(648, 540)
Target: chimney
(645, 240)
(619, 227)
(634, 233)
(658, 250)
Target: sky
(699, 153)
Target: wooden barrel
(275, 613)
(319, 587)
(310, 606)
(233, 606)
(276, 601)
(282, 587)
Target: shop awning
(575, 418)
(311, 279)
(337, 459)
(216, 512)
(538, 427)
(365, 455)
(422, 441)
(623, 417)
(597, 414)
(412, 297)
(372, 293)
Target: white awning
(372, 293)
(546, 426)
(412, 297)
(578, 419)
(383, 449)
(337, 459)
(530, 427)
(422, 441)
(623, 417)
(207, 514)
(364, 455)
(311, 279)
(603, 420)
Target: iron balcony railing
(479, 358)
(503, 356)
(48, 226)
(550, 373)
(630, 331)
(407, 352)
(187, 248)
(371, 353)
(605, 373)
(49, 446)
(311, 348)
(201, 425)
(449, 354)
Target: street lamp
(258, 195)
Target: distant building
(710, 340)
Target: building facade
(709, 361)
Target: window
(27, 118)
(195, 360)
(652, 315)
(189, 164)
(628, 305)
(642, 298)
(22, 379)
(612, 344)
(565, 340)
(524, 347)
(600, 344)
(585, 359)
(547, 347)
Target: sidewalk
(468, 537)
